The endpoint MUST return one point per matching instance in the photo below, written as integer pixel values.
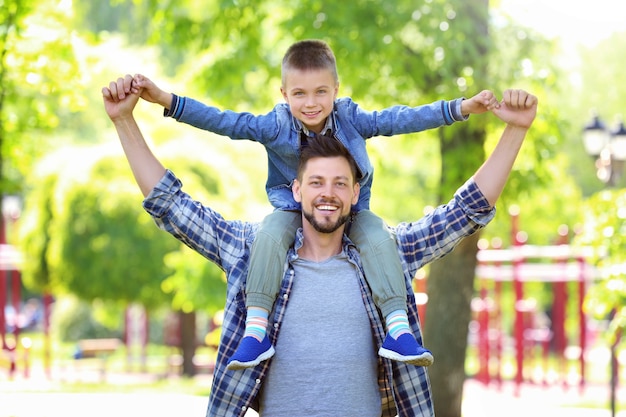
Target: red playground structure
(561, 329)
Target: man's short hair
(310, 54)
(321, 146)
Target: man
(323, 277)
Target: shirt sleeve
(199, 227)
(441, 230)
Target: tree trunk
(450, 287)
(188, 341)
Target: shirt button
(276, 325)
(285, 297)
(258, 381)
(244, 408)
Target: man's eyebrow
(337, 177)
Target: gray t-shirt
(325, 362)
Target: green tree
(37, 83)
(85, 233)
(605, 231)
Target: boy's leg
(266, 269)
(384, 274)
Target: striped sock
(397, 323)
(256, 323)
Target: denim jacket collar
(330, 124)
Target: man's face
(310, 95)
(327, 193)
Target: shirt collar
(346, 244)
(330, 122)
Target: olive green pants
(377, 247)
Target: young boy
(309, 86)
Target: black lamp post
(608, 148)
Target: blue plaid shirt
(404, 389)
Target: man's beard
(326, 227)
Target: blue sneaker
(250, 352)
(406, 349)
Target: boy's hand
(150, 92)
(518, 108)
(480, 103)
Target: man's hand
(119, 100)
(518, 108)
(480, 103)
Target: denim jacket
(279, 132)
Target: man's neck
(318, 246)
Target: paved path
(31, 398)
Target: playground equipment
(560, 266)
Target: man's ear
(356, 190)
(295, 190)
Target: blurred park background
(95, 299)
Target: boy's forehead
(324, 75)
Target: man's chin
(327, 224)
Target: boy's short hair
(321, 146)
(310, 54)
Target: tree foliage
(85, 232)
(605, 230)
(37, 83)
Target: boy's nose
(310, 100)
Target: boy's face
(310, 95)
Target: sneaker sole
(425, 359)
(237, 365)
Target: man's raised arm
(518, 110)
(119, 103)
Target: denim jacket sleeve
(399, 119)
(235, 125)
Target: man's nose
(328, 191)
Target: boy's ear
(284, 93)
(295, 190)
